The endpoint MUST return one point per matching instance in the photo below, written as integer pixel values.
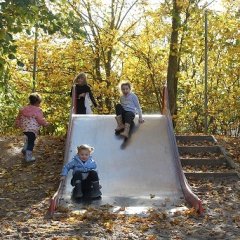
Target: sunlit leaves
(223, 74)
(137, 51)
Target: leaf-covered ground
(25, 190)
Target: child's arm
(137, 105)
(92, 98)
(66, 168)
(40, 118)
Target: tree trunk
(35, 59)
(172, 78)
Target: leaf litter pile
(25, 190)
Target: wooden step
(183, 138)
(199, 149)
(212, 175)
(203, 162)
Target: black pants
(81, 109)
(127, 116)
(31, 140)
(86, 183)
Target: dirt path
(25, 190)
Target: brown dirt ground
(25, 190)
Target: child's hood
(30, 111)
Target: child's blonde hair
(85, 147)
(83, 76)
(126, 83)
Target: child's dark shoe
(78, 189)
(95, 191)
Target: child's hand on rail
(62, 178)
(141, 120)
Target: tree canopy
(121, 40)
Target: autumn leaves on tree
(119, 40)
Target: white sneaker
(29, 157)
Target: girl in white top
(126, 110)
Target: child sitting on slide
(85, 178)
(126, 110)
(30, 118)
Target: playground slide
(143, 171)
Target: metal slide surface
(140, 172)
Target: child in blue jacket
(85, 178)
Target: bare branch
(125, 15)
(120, 13)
